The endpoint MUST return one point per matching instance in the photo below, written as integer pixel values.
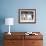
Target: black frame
(27, 12)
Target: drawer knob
(33, 42)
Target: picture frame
(27, 15)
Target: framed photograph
(27, 15)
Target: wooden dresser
(20, 39)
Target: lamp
(9, 21)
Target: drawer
(33, 37)
(13, 43)
(9, 43)
(33, 43)
(16, 37)
(37, 43)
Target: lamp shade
(9, 21)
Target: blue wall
(9, 8)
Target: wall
(9, 8)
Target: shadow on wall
(2, 21)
